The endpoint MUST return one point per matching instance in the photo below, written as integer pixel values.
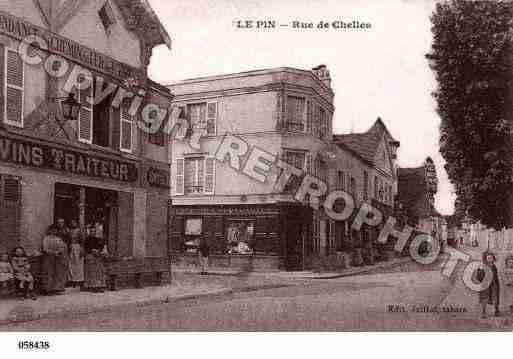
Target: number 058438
(33, 345)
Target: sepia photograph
(201, 166)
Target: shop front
(41, 182)
(259, 237)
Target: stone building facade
(100, 166)
(287, 113)
(367, 169)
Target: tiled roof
(365, 144)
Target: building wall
(87, 29)
(249, 106)
(38, 184)
(25, 9)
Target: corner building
(286, 112)
(99, 166)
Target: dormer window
(107, 16)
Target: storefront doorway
(89, 206)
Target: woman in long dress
(95, 273)
(76, 255)
(54, 266)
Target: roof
(140, 16)
(366, 144)
(253, 73)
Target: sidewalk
(304, 275)
(187, 285)
(77, 302)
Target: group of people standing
(73, 256)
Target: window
(107, 16)
(203, 116)
(126, 127)
(158, 138)
(297, 159)
(241, 236)
(195, 175)
(10, 212)
(193, 226)
(365, 185)
(323, 120)
(101, 124)
(353, 188)
(376, 187)
(295, 113)
(341, 185)
(85, 118)
(14, 86)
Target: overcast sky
(379, 71)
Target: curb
(30, 316)
(363, 270)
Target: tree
(471, 59)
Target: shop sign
(157, 178)
(32, 154)
(19, 29)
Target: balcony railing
(193, 189)
(291, 125)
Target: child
(20, 264)
(6, 272)
(508, 275)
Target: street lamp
(70, 107)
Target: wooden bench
(136, 267)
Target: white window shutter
(126, 127)
(179, 183)
(14, 89)
(85, 118)
(210, 174)
(212, 111)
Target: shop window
(267, 236)
(13, 83)
(203, 116)
(241, 236)
(193, 229)
(295, 114)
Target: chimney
(323, 74)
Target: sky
(381, 71)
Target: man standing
(204, 253)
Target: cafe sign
(20, 29)
(36, 155)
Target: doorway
(88, 206)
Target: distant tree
(471, 56)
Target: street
(409, 297)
